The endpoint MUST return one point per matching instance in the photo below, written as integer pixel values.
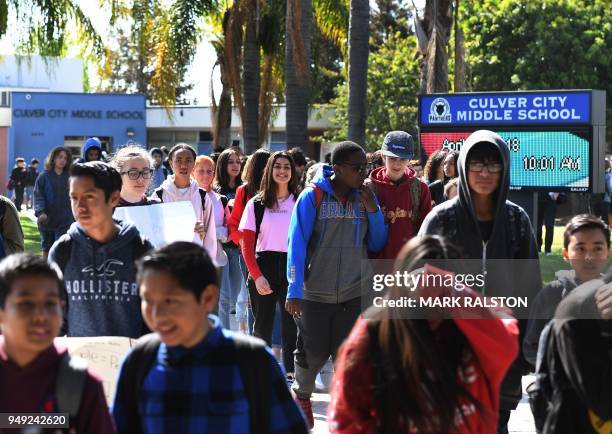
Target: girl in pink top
(264, 249)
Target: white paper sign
(161, 223)
(104, 356)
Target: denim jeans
(232, 283)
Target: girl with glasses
(136, 168)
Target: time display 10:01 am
(544, 162)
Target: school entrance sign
(556, 138)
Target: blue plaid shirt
(200, 391)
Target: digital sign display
(546, 159)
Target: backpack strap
(63, 248)
(70, 384)
(259, 209)
(415, 196)
(159, 192)
(136, 366)
(202, 196)
(140, 247)
(253, 362)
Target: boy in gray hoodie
(97, 258)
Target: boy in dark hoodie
(333, 226)
(92, 150)
(97, 257)
(497, 233)
(586, 243)
(405, 200)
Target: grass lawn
(548, 264)
(30, 234)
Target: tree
(393, 85)
(388, 18)
(359, 32)
(539, 45)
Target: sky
(198, 73)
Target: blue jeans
(232, 283)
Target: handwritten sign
(104, 356)
(162, 223)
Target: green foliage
(393, 83)
(540, 44)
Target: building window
(5, 99)
(206, 136)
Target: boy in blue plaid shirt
(193, 376)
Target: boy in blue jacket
(333, 226)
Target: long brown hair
(416, 369)
(268, 185)
(50, 160)
(222, 180)
(253, 172)
(432, 166)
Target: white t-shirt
(274, 228)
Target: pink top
(274, 229)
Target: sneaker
(306, 406)
(548, 254)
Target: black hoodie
(509, 258)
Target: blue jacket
(327, 257)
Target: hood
(464, 196)
(91, 144)
(173, 192)
(379, 175)
(322, 179)
(127, 231)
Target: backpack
(541, 390)
(252, 360)
(70, 384)
(3, 252)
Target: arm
(248, 253)
(376, 238)
(11, 229)
(285, 416)
(210, 238)
(40, 201)
(234, 221)
(425, 205)
(300, 230)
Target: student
(420, 373)
(586, 244)
(450, 166)
(496, 232)
(299, 160)
(227, 179)
(179, 187)
(450, 189)
(404, 199)
(92, 150)
(135, 167)
(578, 364)
(160, 173)
(264, 249)
(30, 181)
(239, 389)
(434, 176)
(97, 257)
(52, 198)
(547, 211)
(11, 233)
(19, 177)
(204, 173)
(34, 372)
(333, 226)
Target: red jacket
(396, 204)
(494, 344)
(234, 221)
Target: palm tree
(251, 69)
(359, 33)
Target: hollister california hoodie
(329, 243)
(102, 294)
(402, 216)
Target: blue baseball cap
(398, 144)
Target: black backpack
(541, 390)
(253, 362)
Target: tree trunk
(359, 33)
(297, 71)
(437, 23)
(459, 53)
(250, 78)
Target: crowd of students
(292, 250)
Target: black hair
(583, 222)
(298, 156)
(188, 263)
(343, 150)
(157, 151)
(105, 176)
(484, 151)
(180, 147)
(34, 161)
(435, 160)
(221, 181)
(20, 265)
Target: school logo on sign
(439, 111)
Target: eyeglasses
(477, 166)
(134, 174)
(360, 168)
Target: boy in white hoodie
(180, 187)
